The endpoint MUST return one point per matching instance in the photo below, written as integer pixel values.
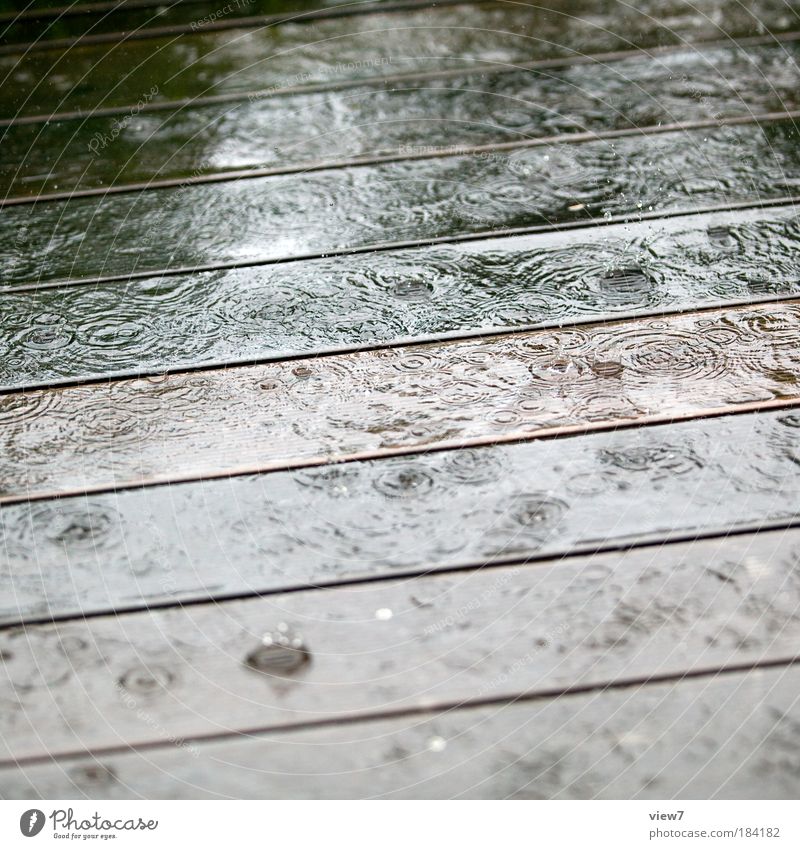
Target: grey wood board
(397, 401)
(309, 307)
(731, 736)
(268, 219)
(324, 655)
(375, 519)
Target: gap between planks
(410, 77)
(436, 709)
(382, 159)
(86, 8)
(718, 607)
(627, 218)
(250, 22)
(274, 418)
(531, 500)
(754, 711)
(657, 540)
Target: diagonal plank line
(391, 79)
(34, 495)
(787, 201)
(94, 553)
(653, 540)
(250, 22)
(381, 159)
(439, 708)
(401, 401)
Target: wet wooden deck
(400, 400)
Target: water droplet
(437, 744)
(93, 774)
(607, 369)
(383, 614)
(279, 653)
(146, 679)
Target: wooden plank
(405, 118)
(238, 61)
(340, 210)
(240, 315)
(396, 401)
(402, 516)
(50, 26)
(438, 640)
(732, 736)
(32, 8)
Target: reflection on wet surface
(288, 216)
(385, 297)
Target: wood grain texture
(240, 61)
(445, 639)
(724, 737)
(247, 314)
(272, 218)
(351, 406)
(424, 513)
(403, 118)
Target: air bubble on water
(283, 627)
(383, 613)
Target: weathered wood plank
(732, 736)
(405, 118)
(152, 325)
(398, 400)
(445, 639)
(237, 61)
(297, 215)
(52, 25)
(373, 519)
(54, 8)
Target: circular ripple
(537, 511)
(663, 351)
(558, 369)
(473, 466)
(47, 337)
(145, 680)
(24, 408)
(460, 393)
(409, 480)
(781, 326)
(75, 526)
(654, 459)
(414, 361)
(336, 481)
